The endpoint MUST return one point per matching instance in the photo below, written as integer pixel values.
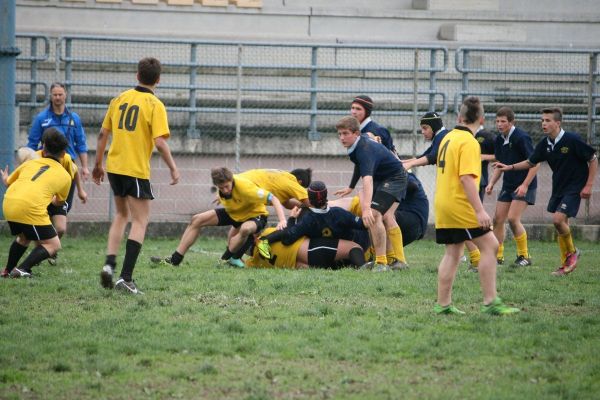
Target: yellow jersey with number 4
(459, 154)
(31, 188)
(136, 117)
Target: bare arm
(367, 193)
(415, 162)
(85, 172)
(488, 157)
(523, 187)
(495, 176)
(518, 166)
(279, 211)
(81, 193)
(472, 192)
(586, 192)
(98, 171)
(165, 152)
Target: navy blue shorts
(508, 195)
(388, 192)
(32, 232)
(567, 204)
(458, 235)
(125, 185)
(225, 220)
(410, 225)
(321, 252)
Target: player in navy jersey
(319, 221)
(433, 130)
(513, 145)
(361, 109)
(574, 165)
(384, 187)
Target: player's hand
(281, 225)
(4, 173)
(82, 194)
(488, 189)
(85, 173)
(343, 192)
(98, 174)
(175, 176)
(484, 220)
(521, 191)
(295, 213)
(502, 167)
(368, 218)
(586, 192)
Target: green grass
(202, 332)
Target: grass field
(207, 333)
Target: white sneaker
(18, 273)
(106, 276)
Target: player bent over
(31, 187)
(244, 208)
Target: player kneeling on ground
(31, 187)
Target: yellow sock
(395, 236)
(565, 243)
(391, 256)
(381, 260)
(474, 257)
(500, 254)
(522, 245)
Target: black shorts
(225, 220)
(458, 235)
(66, 207)
(321, 252)
(124, 185)
(567, 204)
(388, 192)
(32, 232)
(410, 225)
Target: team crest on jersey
(260, 193)
(480, 140)
(326, 232)
(564, 150)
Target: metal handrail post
(238, 114)
(432, 80)
(415, 102)
(465, 77)
(192, 132)
(68, 68)
(313, 134)
(33, 77)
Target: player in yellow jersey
(288, 187)
(137, 121)
(244, 208)
(459, 213)
(31, 187)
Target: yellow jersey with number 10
(136, 117)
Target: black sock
(176, 258)
(111, 259)
(356, 257)
(15, 253)
(132, 251)
(227, 255)
(37, 255)
(245, 246)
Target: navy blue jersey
(332, 222)
(486, 142)
(415, 201)
(383, 133)
(432, 151)
(374, 159)
(518, 148)
(568, 158)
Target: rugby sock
(37, 255)
(111, 259)
(132, 251)
(238, 254)
(391, 256)
(475, 257)
(15, 253)
(381, 260)
(227, 254)
(522, 245)
(565, 243)
(500, 254)
(176, 258)
(395, 236)
(356, 257)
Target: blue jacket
(69, 124)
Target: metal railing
(564, 77)
(31, 53)
(313, 73)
